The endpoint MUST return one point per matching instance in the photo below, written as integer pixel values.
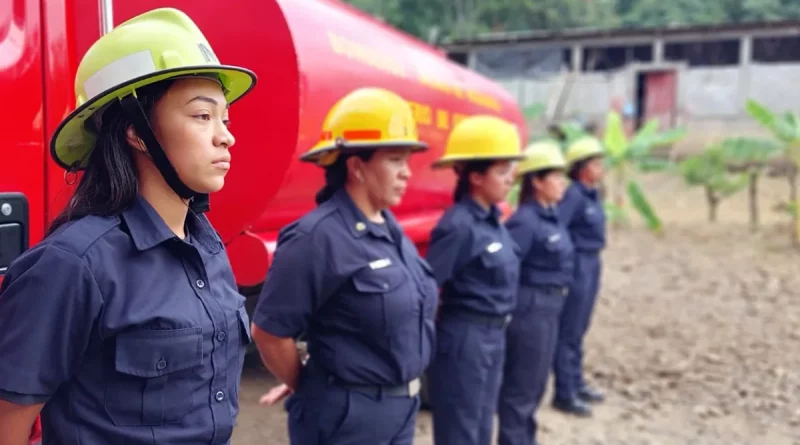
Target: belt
(410, 389)
(494, 321)
(552, 289)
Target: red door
(660, 97)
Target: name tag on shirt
(554, 238)
(380, 264)
(590, 210)
(494, 247)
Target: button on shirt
(128, 333)
(359, 291)
(474, 260)
(547, 251)
(581, 210)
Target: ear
(355, 168)
(133, 140)
(476, 179)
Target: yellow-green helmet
(480, 138)
(157, 45)
(584, 148)
(541, 155)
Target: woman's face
(385, 176)
(493, 185)
(550, 189)
(594, 169)
(191, 123)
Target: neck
(169, 206)
(361, 199)
(586, 182)
(483, 202)
(546, 203)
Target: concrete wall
(710, 101)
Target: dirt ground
(696, 336)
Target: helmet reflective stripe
(118, 72)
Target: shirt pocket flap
(378, 281)
(153, 353)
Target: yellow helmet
(365, 118)
(481, 137)
(542, 155)
(157, 45)
(584, 148)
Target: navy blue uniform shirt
(474, 260)
(359, 291)
(547, 252)
(582, 212)
(128, 333)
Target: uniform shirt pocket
(155, 377)
(500, 267)
(384, 300)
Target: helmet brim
(353, 147)
(72, 142)
(449, 161)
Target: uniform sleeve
(49, 302)
(520, 228)
(448, 251)
(568, 207)
(297, 285)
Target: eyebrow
(206, 99)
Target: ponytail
(336, 175)
(463, 185)
(526, 189)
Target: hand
(275, 395)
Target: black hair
(575, 169)
(336, 174)
(110, 182)
(463, 184)
(527, 190)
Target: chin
(212, 186)
(394, 201)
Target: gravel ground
(696, 336)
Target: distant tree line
(433, 20)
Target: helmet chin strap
(199, 202)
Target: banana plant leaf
(783, 127)
(533, 111)
(615, 141)
(643, 207)
(745, 150)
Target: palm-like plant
(624, 156)
(786, 129)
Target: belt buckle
(413, 388)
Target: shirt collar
(480, 213)
(356, 222)
(148, 229)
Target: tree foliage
(429, 19)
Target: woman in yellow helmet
(125, 325)
(545, 274)
(475, 263)
(582, 212)
(347, 278)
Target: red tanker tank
(308, 54)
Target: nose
(223, 136)
(405, 171)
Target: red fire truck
(307, 54)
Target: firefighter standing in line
(475, 263)
(346, 275)
(582, 212)
(124, 324)
(545, 273)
